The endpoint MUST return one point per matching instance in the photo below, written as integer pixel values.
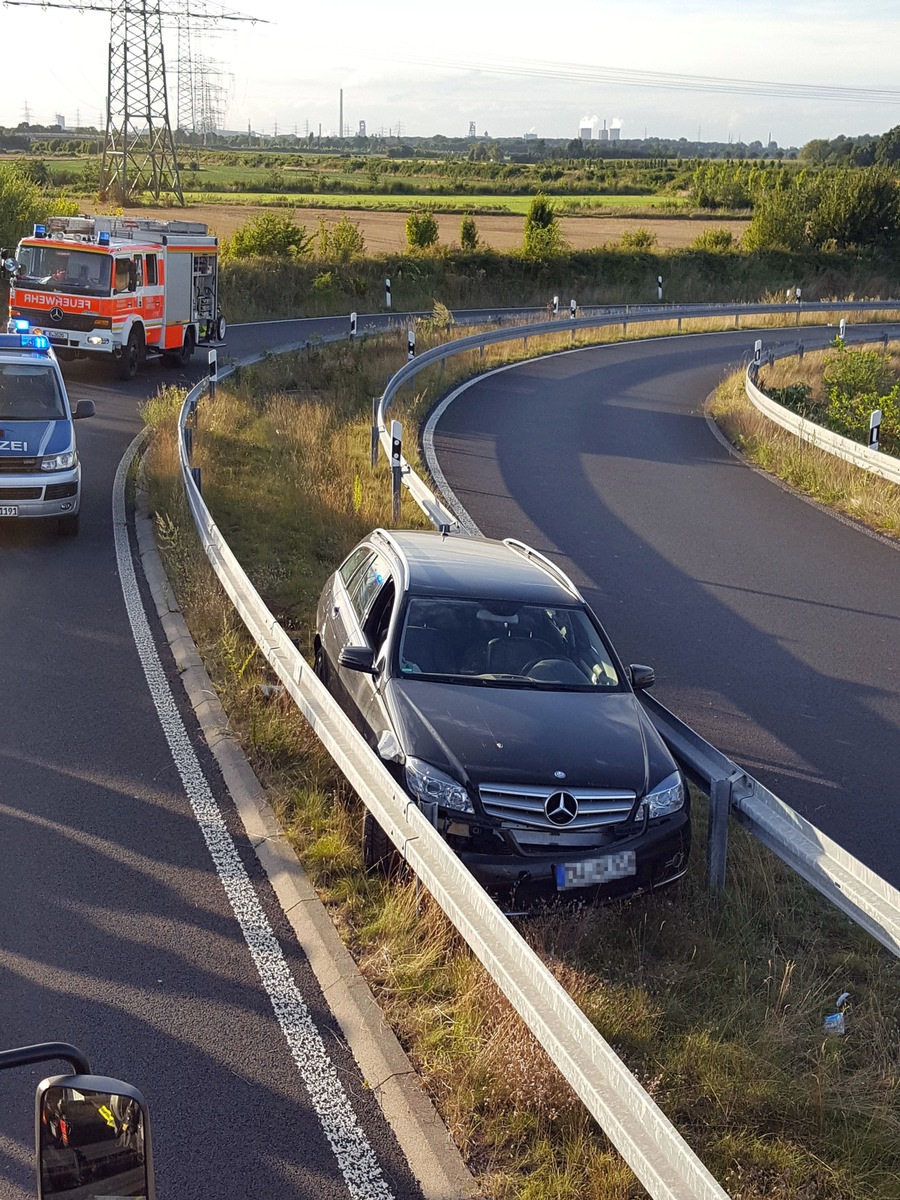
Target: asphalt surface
(774, 627)
(115, 931)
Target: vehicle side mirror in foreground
(358, 658)
(84, 408)
(641, 677)
(92, 1136)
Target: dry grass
(717, 1006)
(858, 494)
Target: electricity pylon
(139, 148)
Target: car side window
(366, 584)
(352, 564)
(379, 618)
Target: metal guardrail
(649, 1143)
(860, 456)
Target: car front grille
(60, 491)
(26, 493)
(525, 805)
(40, 317)
(18, 466)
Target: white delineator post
(213, 374)
(396, 456)
(387, 293)
(353, 324)
(410, 343)
(874, 429)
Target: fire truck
(118, 288)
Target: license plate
(9, 510)
(58, 339)
(596, 870)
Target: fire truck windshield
(60, 269)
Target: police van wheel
(132, 355)
(68, 526)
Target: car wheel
(132, 354)
(68, 526)
(319, 664)
(380, 855)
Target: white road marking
(355, 1157)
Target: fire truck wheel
(220, 328)
(180, 358)
(132, 355)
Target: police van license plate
(9, 510)
(596, 870)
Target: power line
(626, 77)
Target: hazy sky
(406, 63)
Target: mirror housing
(358, 658)
(641, 677)
(84, 408)
(92, 1132)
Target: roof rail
(386, 536)
(550, 567)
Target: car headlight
(433, 786)
(59, 462)
(667, 797)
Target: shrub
(639, 239)
(269, 235)
(421, 229)
(858, 382)
(717, 240)
(468, 235)
(543, 237)
(340, 243)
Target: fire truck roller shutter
(179, 280)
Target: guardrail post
(188, 442)
(679, 324)
(737, 320)
(524, 344)
(396, 454)
(717, 834)
(375, 400)
(197, 477)
(801, 351)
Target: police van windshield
(60, 269)
(30, 392)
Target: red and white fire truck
(120, 288)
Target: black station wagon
(481, 677)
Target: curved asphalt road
(774, 627)
(115, 932)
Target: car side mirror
(92, 1137)
(641, 677)
(358, 658)
(84, 408)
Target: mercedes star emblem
(56, 314)
(561, 808)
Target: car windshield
(30, 392)
(504, 644)
(64, 270)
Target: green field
(496, 204)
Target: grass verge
(858, 494)
(716, 1004)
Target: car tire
(132, 354)
(68, 526)
(380, 855)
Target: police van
(40, 475)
